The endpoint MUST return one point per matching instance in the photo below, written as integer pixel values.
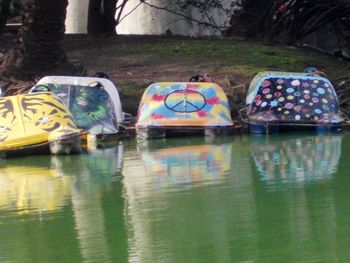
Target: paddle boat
(32, 123)
(94, 103)
(183, 108)
(279, 101)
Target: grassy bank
(135, 62)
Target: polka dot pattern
(291, 99)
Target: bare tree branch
(203, 22)
(120, 10)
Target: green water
(238, 199)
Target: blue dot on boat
(290, 90)
(321, 91)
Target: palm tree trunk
(39, 51)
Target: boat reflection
(45, 188)
(188, 196)
(187, 165)
(27, 188)
(45, 183)
(296, 160)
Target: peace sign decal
(185, 101)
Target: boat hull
(162, 132)
(35, 123)
(257, 128)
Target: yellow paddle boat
(33, 122)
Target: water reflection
(95, 175)
(45, 183)
(233, 216)
(296, 160)
(187, 165)
(41, 188)
(181, 200)
(28, 188)
(189, 196)
(296, 174)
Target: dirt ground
(125, 67)
(134, 71)
(137, 68)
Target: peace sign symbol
(185, 101)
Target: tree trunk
(109, 10)
(101, 19)
(4, 11)
(39, 51)
(254, 20)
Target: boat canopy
(93, 102)
(292, 98)
(184, 104)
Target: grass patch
(130, 94)
(237, 57)
(135, 61)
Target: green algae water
(282, 198)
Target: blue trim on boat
(276, 128)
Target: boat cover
(33, 119)
(292, 98)
(184, 104)
(93, 102)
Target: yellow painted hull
(36, 119)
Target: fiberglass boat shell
(292, 99)
(38, 119)
(183, 105)
(94, 103)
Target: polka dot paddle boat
(279, 101)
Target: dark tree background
(287, 21)
(39, 46)
(39, 49)
(4, 13)
(296, 22)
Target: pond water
(280, 198)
